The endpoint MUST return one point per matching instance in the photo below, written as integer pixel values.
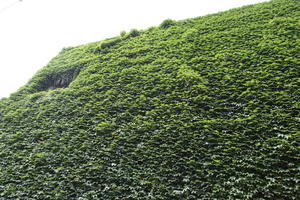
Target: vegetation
(207, 108)
(122, 33)
(110, 43)
(167, 23)
(133, 33)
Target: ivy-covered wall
(203, 108)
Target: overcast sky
(34, 31)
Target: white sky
(34, 31)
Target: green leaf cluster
(206, 108)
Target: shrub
(122, 33)
(134, 32)
(152, 28)
(109, 43)
(167, 23)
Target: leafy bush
(133, 33)
(122, 33)
(110, 43)
(167, 23)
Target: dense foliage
(204, 108)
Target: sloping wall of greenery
(204, 108)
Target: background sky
(34, 31)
